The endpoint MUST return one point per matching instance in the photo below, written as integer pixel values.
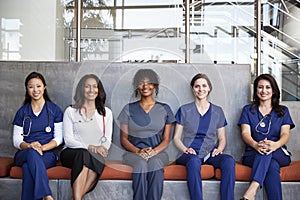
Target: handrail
(288, 14)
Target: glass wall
(154, 31)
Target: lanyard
(103, 138)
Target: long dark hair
(28, 78)
(275, 96)
(141, 74)
(79, 94)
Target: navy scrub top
(200, 131)
(38, 123)
(146, 129)
(272, 122)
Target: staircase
(280, 38)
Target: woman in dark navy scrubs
(145, 134)
(201, 138)
(37, 131)
(265, 127)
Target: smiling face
(146, 88)
(90, 89)
(35, 89)
(201, 89)
(264, 90)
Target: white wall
(34, 34)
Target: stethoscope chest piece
(48, 129)
(262, 124)
(103, 139)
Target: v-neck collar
(205, 112)
(143, 108)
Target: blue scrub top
(146, 129)
(38, 123)
(272, 122)
(200, 131)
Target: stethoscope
(261, 124)
(103, 139)
(28, 116)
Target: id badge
(206, 157)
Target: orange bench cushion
(242, 172)
(178, 172)
(113, 170)
(5, 164)
(288, 173)
(291, 172)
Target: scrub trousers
(147, 176)
(35, 184)
(193, 167)
(266, 170)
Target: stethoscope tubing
(47, 129)
(262, 124)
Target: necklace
(86, 116)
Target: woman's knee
(194, 164)
(33, 156)
(228, 161)
(274, 167)
(140, 166)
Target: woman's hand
(266, 146)
(216, 152)
(98, 149)
(36, 146)
(270, 146)
(147, 153)
(190, 151)
(151, 152)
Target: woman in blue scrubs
(200, 137)
(37, 131)
(145, 127)
(265, 127)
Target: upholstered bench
(115, 170)
(243, 173)
(5, 165)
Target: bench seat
(287, 174)
(115, 170)
(5, 165)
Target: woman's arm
(18, 138)
(57, 140)
(69, 138)
(246, 135)
(177, 138)
(124, 139)
(166, 139)
(178, 142)
(102, 149)
(108, 128)
(221, 133)
(284, 138)
(149, 152)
